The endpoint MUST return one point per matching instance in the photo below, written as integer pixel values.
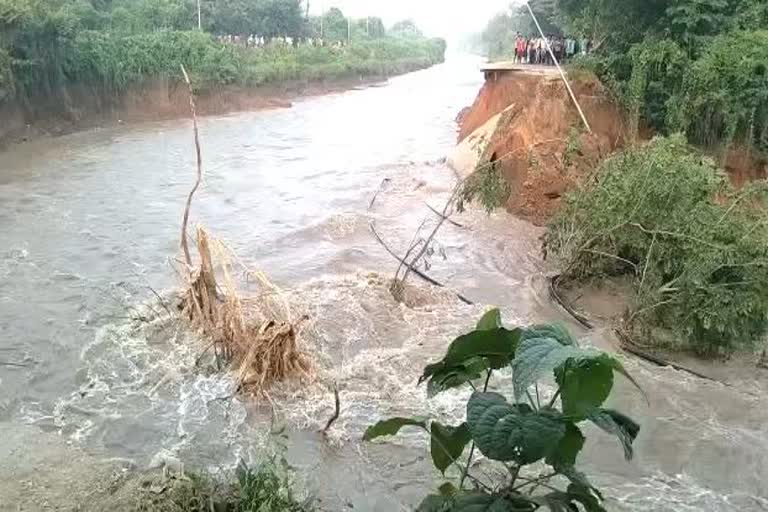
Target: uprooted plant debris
(256, 334)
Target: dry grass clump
(256, 334)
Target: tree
(279, 18)
(335, 25)
(406, 28)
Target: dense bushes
(46, 45)
(118, 61)
(696, 250)
(724, 94)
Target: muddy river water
(88, 223)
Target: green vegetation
(46, 45)
(535, 444)
(695, 72)
(696, 66)
(267, 488)
(695, 249)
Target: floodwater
(89, 225)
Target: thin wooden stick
(336, 411)
(184, 244)
(582, 319)
(378, 190)
(629, 346)
(441, 215)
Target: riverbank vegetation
(694, 248)
(46, 45)
(530, 445)
(265, 488)
(682, 215)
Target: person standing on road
(531, 50)
(584, 45)
(522, 46)
(570, 48)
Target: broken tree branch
(336, 411)
(184, 244)
(629, 346)
(451, 221)
(582, 319)
(416, 271)
(162, 302)
(445, 214)
(378, 190)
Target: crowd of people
(255, 41)
(534, 50)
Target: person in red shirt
(521, 48)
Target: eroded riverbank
(90, 220)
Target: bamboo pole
(557, 64)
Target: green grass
(267, 488)
(116, 62)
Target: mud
(528, 123)
(81, 107)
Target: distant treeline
(694, 66)
(48, 44)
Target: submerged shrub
(696, 249)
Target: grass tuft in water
(266, 488)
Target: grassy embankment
(119, 62)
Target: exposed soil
(81, 107)
(538, 139)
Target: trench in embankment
(80, 106)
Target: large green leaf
(537, 357)
(580, 479)
(589, 497)
(470, 355)
(585, 375)
(516, 432)
(492, 503)
(448, 444)
(436, 503)
(392, 426)
(616, 423)
(584, 385)
(558, 501)
(456, 376)
(556, 332)
(491, 320)
(565, 453)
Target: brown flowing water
(89, 222)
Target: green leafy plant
(267, 487)
(526, 433)
(695, 249)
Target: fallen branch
(582, 319)
(443, 216)
(451, 221)
(416, 271)
(13, 365)
(629, 346)
(162, 302)
(184, 244)
(378, 190)
(335, 416)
